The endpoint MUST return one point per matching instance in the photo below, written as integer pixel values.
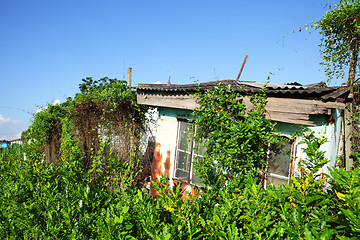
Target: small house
(293, 107)
(4, 143)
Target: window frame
(268, 174)
(191, 152)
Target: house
(18, 141)
(5, 143)
(293, 107)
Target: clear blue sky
(48, 46)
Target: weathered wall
(328, 127)
(165, 145)
(288, 110)
(166, 137)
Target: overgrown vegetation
(355, 118)
(59, 200)
(340, 30)
(102, 122)
(235, 136)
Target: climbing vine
(235, 135)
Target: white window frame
(291, 163)
(192, 153)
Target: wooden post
(242, 67)
(169, 83)
(129, 77)
(349, 107)
(347, 136)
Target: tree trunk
(353, 64)
(349, 106)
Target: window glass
(276, 181)
(279, 162)
(200, 149)
(182, 175)
(184, 141)
(183, 161)
(279, 158)
(195, 179)
(185, 154)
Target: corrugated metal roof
(317, 90)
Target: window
(185, 155)
(279, 162)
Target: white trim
(278, 176)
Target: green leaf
(119, 219)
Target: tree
(340, 28)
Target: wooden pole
(242, 67)
(129, 77)
(349, 107)
(347, 135)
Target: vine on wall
(235, 136)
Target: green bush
(39, 200)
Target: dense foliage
(103, 121)
(340, 28)
(340, 46)
(234, 135)
(355, 118)
(40, 200)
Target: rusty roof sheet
(317, 90)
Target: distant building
(6, 143)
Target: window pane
(185, 154)
(200, 149)
(183, 161)
(184, 143)
(182, 175)
(195, 179)
(279, 158)
(276, 181)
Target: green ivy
(235, 136)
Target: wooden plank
(273, 104)
(284, 115)
(290, 118)
(295, 106)
(287, 110)
(301, 105)
(181, 101)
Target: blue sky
(47, 47)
